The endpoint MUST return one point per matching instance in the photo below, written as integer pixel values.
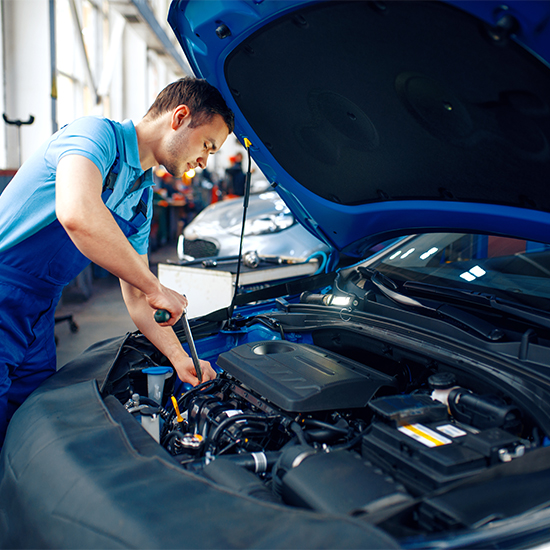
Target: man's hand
(186, 371)
(169, 300)
(142, 307)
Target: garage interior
(63, 59)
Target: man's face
(188, 147)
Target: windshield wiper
(525, 313)
(480, 326)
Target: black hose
(247, 460)
(182, 401)
(161, 411)
(231, 420)
(269, 322)
(325, 426)
(212, 440)
(321, 435)
(350, 444)
(296, 428)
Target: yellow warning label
(424, 435)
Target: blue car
(399, 401)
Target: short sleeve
(90, 137)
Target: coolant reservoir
(155, 381)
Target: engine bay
(316, 408)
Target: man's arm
(96, 234)
(163, 338)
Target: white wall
(26, 76)
(135, 76)
(131, 73)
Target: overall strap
(111, 177)
(140, 210)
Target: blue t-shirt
(28, 202)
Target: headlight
(263, 225)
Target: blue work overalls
(33, 274)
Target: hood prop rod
(247, 144)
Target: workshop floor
(100, 317)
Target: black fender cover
(77, 471)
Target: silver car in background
(270, 230)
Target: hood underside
(376, 119)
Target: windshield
(512, 269)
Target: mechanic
(86, 195)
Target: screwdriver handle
(161, 316)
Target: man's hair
(204, 102)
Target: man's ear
(180, 116)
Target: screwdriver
(161, 316)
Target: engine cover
(302, 378)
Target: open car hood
(378, 119)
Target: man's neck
(149, 132)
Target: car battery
(425, 449)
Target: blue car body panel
(214, 35)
